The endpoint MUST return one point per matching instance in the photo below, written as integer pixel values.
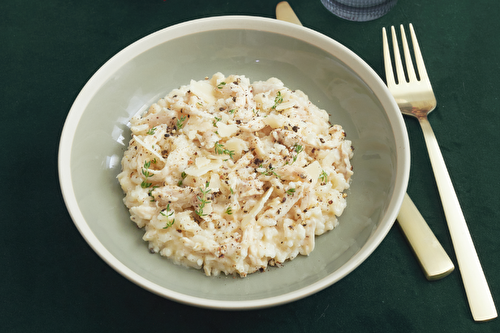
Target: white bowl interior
(96, 134)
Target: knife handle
(433, 259)
(284, 12)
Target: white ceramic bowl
(95, 136)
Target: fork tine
(389, 74)
(422, 72)
(409, 64)
(397, 57)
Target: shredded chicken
(232, 177)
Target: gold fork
(415, 97)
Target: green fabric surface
(52, 281)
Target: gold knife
(433, 259)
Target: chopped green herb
(255, 112)
(298, 149)
(203, 200)
(183, 176)
(151, 131)
(323, 176)
(290, 191)
(167, 215)
(180, 122)
(229, 211)
(219, 149)
(232, 111)
(145, 184)
(150, 193)
(146, 174)
(269, 171)
(216, 119)
(231, 189)
(278, 100)
(221, 85)
(169, 224)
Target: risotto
(231, 177)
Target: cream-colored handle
(434, 261)
(432, 257)
(285, 13)
(476, 287)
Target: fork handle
(476, 287)
(432, 257)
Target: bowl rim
(239, 22)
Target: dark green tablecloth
(51, 280)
